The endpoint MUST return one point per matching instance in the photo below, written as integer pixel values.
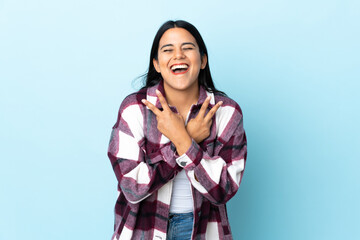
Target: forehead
(176, 36)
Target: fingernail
(208, 98)
(143, 100)
(157, 91)
(220, 103)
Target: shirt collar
(152, 97)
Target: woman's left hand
(199, 127)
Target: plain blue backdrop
(293, 66)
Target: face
(179, 60)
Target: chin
(181, 84)
(181, 87)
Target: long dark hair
(152, 77)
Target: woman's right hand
(171, 124)
(199, 127)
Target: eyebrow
(171, 45)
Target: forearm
(216, 176)
(139, 179)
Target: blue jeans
(180, 226)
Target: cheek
(196, 58)
(163, 63)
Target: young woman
(178, 148)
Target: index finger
(204, 107)
(163, 101)
(151, 106)
(213, 110)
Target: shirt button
(183, 164)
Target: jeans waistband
(180, 215)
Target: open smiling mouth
(179, 69)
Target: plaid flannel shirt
(145, 163)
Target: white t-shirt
(181, 197)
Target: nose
(179, 54)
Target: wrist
(183, 143)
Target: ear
(203, 61)
(156, 65)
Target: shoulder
(131, 109)
(228, 117)
(133, 99)
(229, 105)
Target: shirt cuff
(191, 158)
(168, 153)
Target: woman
(178, 148)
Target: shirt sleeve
(218, 177)
(139, 174)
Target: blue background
(293, 66)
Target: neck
(182, 99)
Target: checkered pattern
(145, 163)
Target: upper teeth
(179, 66)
